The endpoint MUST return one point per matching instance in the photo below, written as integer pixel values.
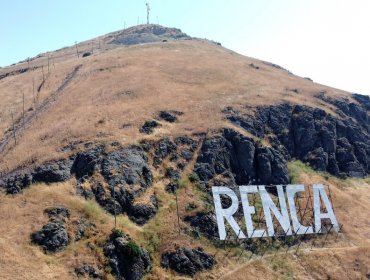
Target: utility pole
(15, 138)
(147, 12)
(48, 64)
(78, 55)
(23, 107)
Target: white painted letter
(319, 190)
(248, 210)
(227, 213)
(298, 228)
(268, 204)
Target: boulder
(127, 166)
(14, 183)
(205, 223)
(89, 270)
(58, 212)
(84, 229)
(188, 261)
(127, 260)
(87, 162)
(148, 126)
(52, 237)
(52, 172)
(167, 116)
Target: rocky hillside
(108, 155)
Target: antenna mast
(147, 12)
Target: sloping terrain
(139, 124)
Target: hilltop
(142, 122)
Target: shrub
(131, 250)
(193, 177)
(116, 233)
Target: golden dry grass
(128, 85)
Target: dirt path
(21, 126)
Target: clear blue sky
(327, 40)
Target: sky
(325, 40)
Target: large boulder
(52, 172)
(127, 167)
(205, 223)
(14, 183)
(188, 261)
(52, 237)
(87, 162)
(127, 260)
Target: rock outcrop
(148, 33)
(187, 261)
(127, 260)
(88, 270)
(204, 223)
(53, 236)
(338, 145)
(240, 160)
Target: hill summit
(148, 33)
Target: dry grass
(128, 85)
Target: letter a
(319, 190)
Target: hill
(141, 123)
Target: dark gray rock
(167, 116)
(52, 237)
(16, 182)
(241, 160)
(172, 173)
(58, 211)
(84, 229)
(187, 261)
(318, 159)
(87, 162)
(172, 187)
(127, 166)
(328, 143)
(90, 270)
(142, 213)
(163, 149)
(205, 223)
(148, 33)
(126, 259)
(148, 126)
(52, 172)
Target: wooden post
(43, 75)
(48, 63)
(78, 55)
(33, 91)
(178, 216)
(23, 107)
(15, 138)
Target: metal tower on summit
(147, 12)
